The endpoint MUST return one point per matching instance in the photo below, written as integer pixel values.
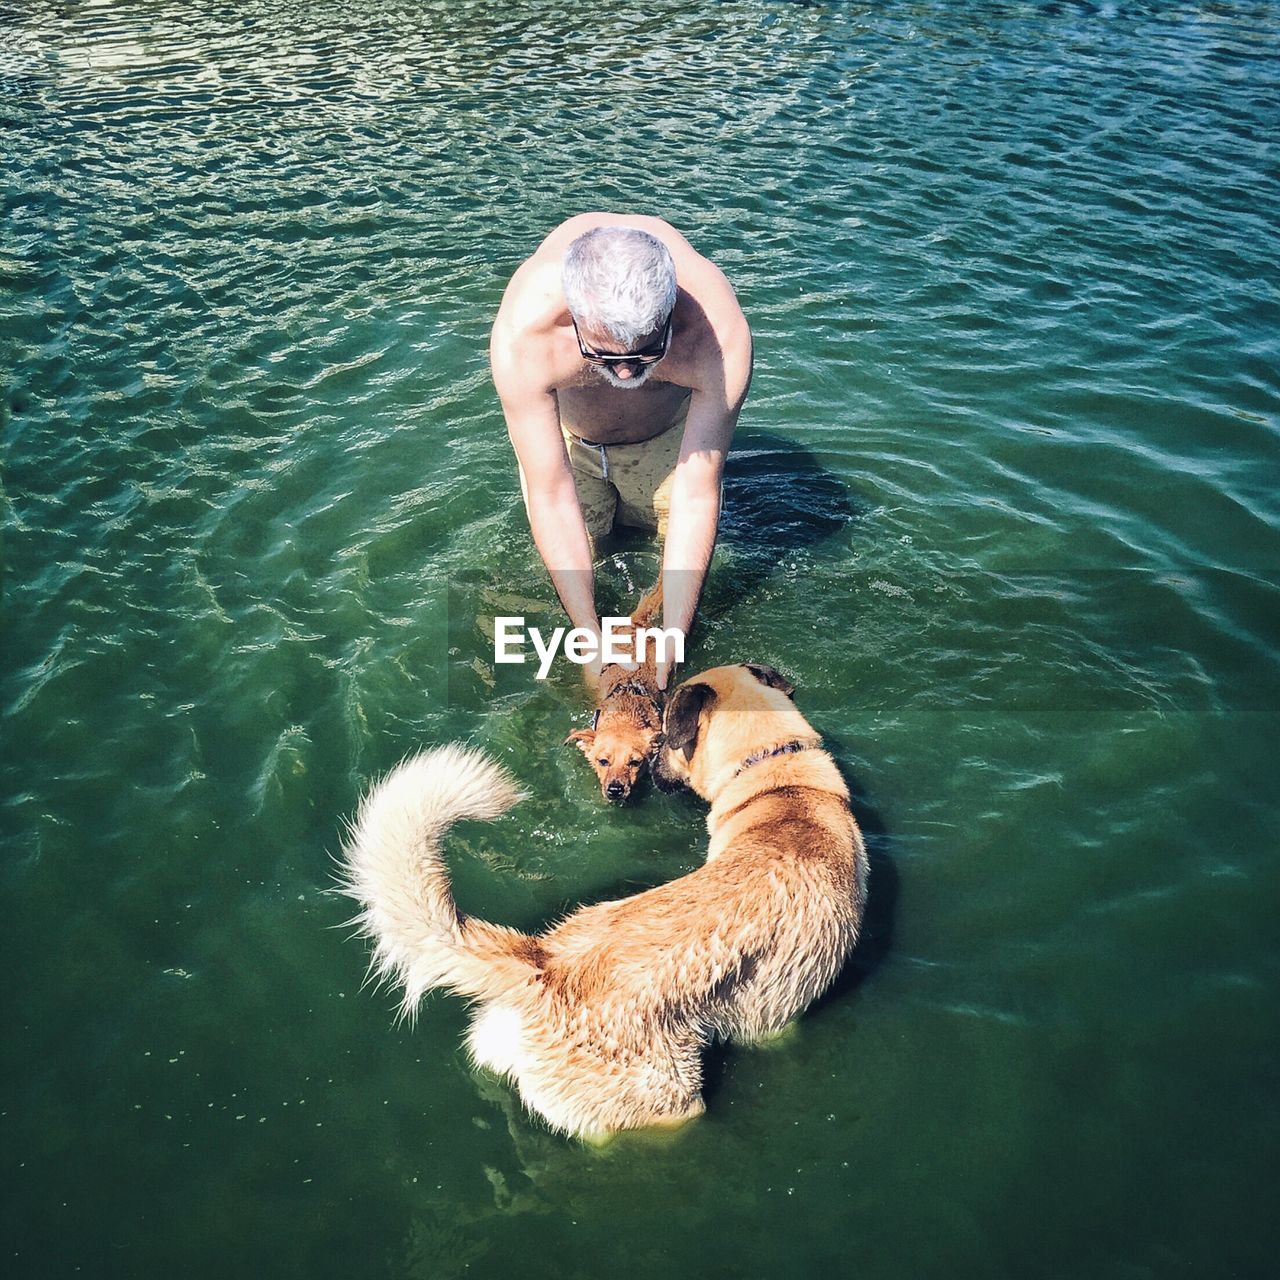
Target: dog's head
(619, 743)
(628, 721)
(716, 720)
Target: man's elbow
(698, 492)
(551, 497)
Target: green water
(1003, 504)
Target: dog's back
(632, 991)
(736, 947)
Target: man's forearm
(561, 539)
(691, 538)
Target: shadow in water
(778, 499)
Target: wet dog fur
(600, 1021)
(628, 716)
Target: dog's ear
(680, 726)
(585, 738)
(772, 677)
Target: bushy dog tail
(392, 866)
(650, 607)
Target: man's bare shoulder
(532, 300)
(718, 331)
(525, 351)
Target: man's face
(626, 375)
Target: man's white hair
(621, 281)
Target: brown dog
(601, 1020)
(628, 716)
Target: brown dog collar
(784, 750)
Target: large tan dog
(601, 1020)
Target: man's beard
(625, 384)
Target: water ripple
(1003, 503)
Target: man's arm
(694, 513)
(555, 515)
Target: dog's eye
(634, 764)
(604, 760)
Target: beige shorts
(627, 484)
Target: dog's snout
(615, 790)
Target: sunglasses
(648, 355)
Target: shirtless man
(621, 358)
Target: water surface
(1003, 504)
